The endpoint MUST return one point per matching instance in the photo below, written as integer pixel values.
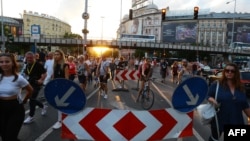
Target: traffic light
(130, 14)
(163, 14)
(196, 11)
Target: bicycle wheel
(147, 99)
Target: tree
(72, 36)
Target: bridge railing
(124, 44)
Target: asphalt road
(41, 128)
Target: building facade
(210, 29)
(12, 26)
(50, 27)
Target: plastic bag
(207, 112)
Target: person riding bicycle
(145, 74)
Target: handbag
(207, 111)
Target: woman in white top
(11, 101)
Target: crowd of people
(40, 68)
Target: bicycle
(146, 98)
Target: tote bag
(207, 111)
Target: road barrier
(123, 125)
(121, 75)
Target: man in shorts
(104, 76)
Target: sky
(105, 14)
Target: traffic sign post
(35, 34)
(65, 95)
(189, 94)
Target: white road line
(50, 130)
(196, 134)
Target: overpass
(124, 45)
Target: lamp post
(85, 16)
(120, 30)
(233, 19)
(232, 37)
(102, 28)
(2, 33)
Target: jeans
(33, 101)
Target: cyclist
(146, 73)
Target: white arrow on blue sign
(65, 95)
(189, 94)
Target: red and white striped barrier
(110, 124)
(127, 75)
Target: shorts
(102, 79)
(82, 79)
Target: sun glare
(100, 50)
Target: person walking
(82, 68)
(11, 100)
(103, 71)
(49, 68)
(231, 101)
(72, 68)
(88, 69)
(163, 70)
(174, 72)
(35, 74)
(61, 70)
(185, 72)
(112, 67)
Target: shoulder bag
(207, 111)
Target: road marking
(196, 134)
(50, 130)
(45, 134)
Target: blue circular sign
(189, 94)
(65, 95)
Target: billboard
(136, 4)
(241, 32)
(132, 27)
(179, 32)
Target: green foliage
(72, 36)
(139, 53)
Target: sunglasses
(229, 71)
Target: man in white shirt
(49, 67)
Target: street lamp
(120, 53)
(233, 18)
(102, 28)
(2, 35)
(232, 37)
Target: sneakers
(57, 125)
(44, 110)
(102, 93)
(105, 96)
(28, 120)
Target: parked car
(244, 78)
